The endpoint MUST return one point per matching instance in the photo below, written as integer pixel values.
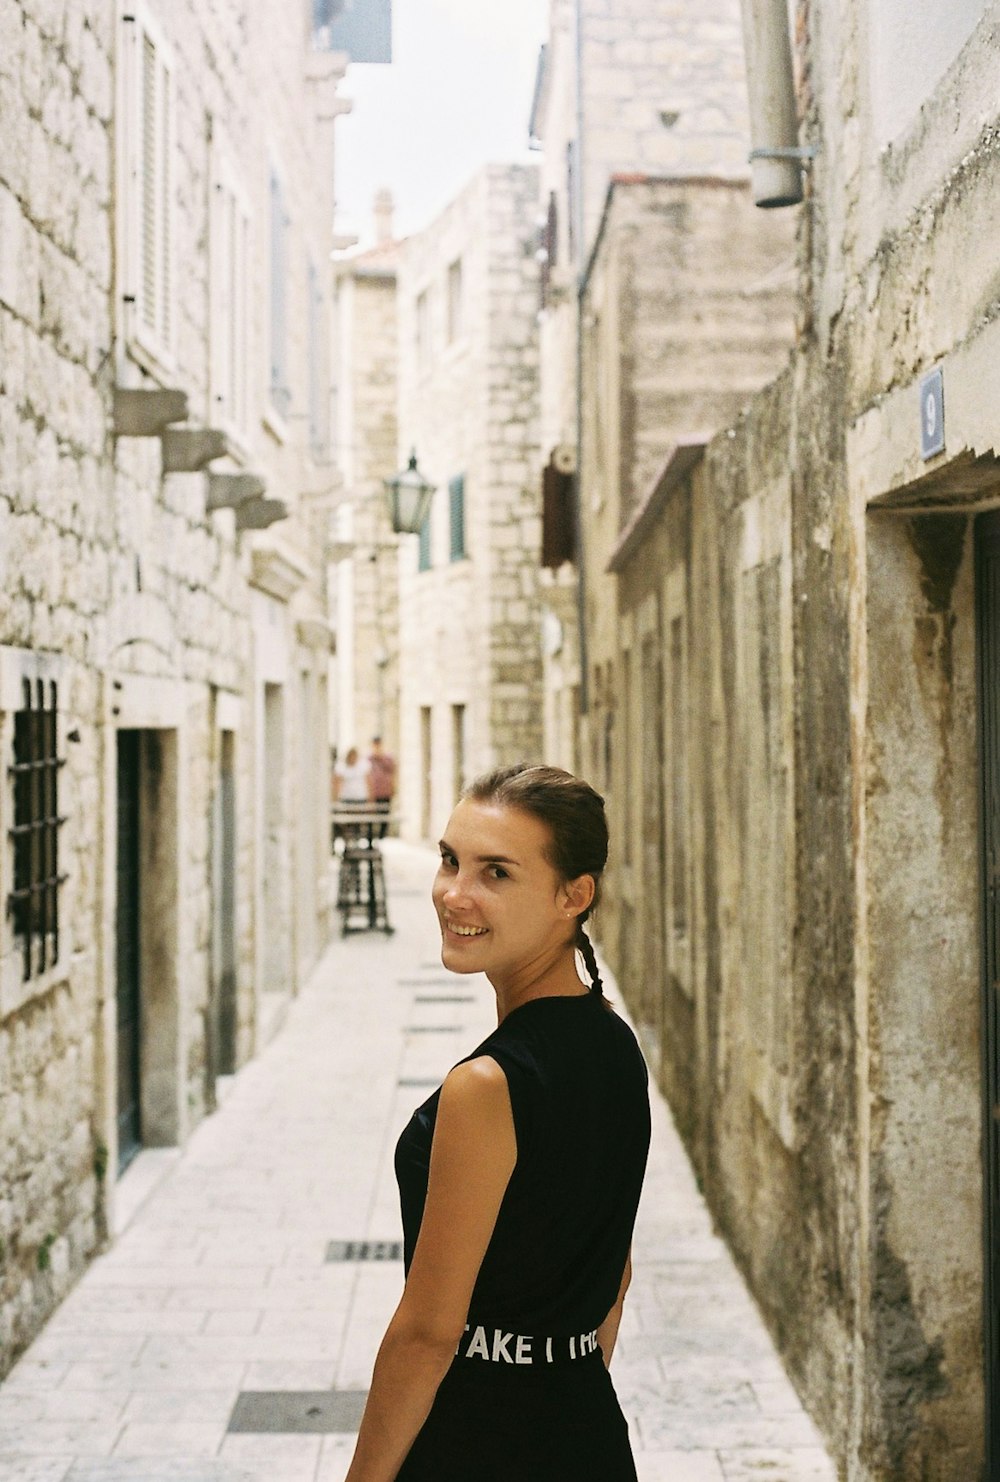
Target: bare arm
(607, 1333)
(472, 1158)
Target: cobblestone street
(224, 1291)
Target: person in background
(381, 780)
(350, 787)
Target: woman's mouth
(465, 931)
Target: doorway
(988, 635)
(222, 1025)
(128, 953)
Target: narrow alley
(228, 1334)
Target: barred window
(33, 903)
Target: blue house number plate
(932, 414)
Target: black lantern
(409, 497)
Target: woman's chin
(456, 958)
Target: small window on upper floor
(455, 304)
(229, 296)
(146, 186)
(319, 412)
(572, 202)
(280, 392)
(548, 248)
(456, 511)
(423, 318)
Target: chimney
(383, 216)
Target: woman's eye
(498, 872)
(448, 860)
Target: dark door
(224, 993)
(127, 941)
(988, 623)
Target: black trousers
(495, 1423)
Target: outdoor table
(361, 894)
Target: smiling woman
(520, 1177)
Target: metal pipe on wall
(776, 160)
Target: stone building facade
(165, 211)
(630, 88)
(365, 583)
(470, 644)
(820, 791)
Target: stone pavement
(219, 1305)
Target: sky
(457, 94)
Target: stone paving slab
(218, 1284)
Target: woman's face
(501, 905)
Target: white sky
(457, 94)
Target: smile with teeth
(466, 931)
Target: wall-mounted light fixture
(409, 498)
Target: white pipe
(771, 86)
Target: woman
(519, 1178)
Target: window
(558, 516)
(229, 305)
(456, 509)
(33, 903)
(281, 396)
(423, 330)
(319, 440)
(457, 750)
(572, 203)
(424, 547)
(548, 248)
(147, 186)
(455, 301)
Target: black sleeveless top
(578, 1091)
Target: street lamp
(409, 498)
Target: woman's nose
(456, 890)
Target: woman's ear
(578, 895)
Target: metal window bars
(34, 901)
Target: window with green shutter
(456, 498)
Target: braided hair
(578, 831)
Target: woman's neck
(557, 978)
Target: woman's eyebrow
(446, 848)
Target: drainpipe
(583, 654)
(775, 155)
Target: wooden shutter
(148, 186)
(558, 527)
(424, 548)
(456, 501)
(317, 381)
(280, 394)
(229, 252)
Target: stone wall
(116, 585)
(470, 644)
(368, 453)
(820, 975)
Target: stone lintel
(190, 449)
(233, 490)
(258, 513)
(277, 569)
(316, 633)
(141, 412)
